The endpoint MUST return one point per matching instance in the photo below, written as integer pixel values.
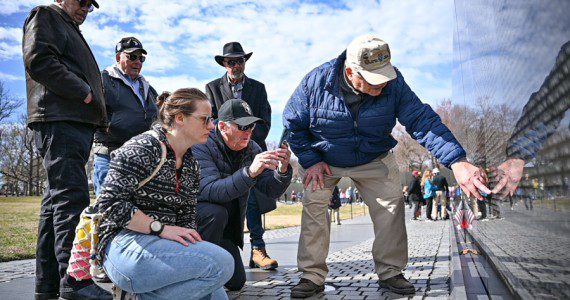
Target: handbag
(83, 260)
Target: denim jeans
(100, 169)
(64, 147)
(254, 224)
(157, 268)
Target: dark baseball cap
(237, 111)
(129, 44)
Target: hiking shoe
(119, 294)
(306, 288)
(398, 284)
(260, 259)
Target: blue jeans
(157, 268)
(253, 217)
(100, 169)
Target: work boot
(398, 284)
(260, 259)
(306, 288)
(119, 294)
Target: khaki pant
(441, 199)
(379, 185)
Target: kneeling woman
(149, 244)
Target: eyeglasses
(134, 57)
(246, 127)
(233, 62)
(204, 118)
(86, 3)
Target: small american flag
(464, 217)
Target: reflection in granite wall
(510, 109)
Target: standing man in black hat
(65, 105)
(231, 167)
(130, 102)
(235, 85)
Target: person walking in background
(65, 106)
(338, 119)
(440, 199)
(334, 206)
(428, 190)
(149, 245)
(293, 196)
(130, 103)
(415, 195)
(342, 195)
(234, 84)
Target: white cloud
(288, 38)
(10, 77)
(172, 83)
(8, 7)
(10, 42)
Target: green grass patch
(19, 217)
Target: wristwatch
(156, 227)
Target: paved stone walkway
(351, 270)
(351, 273)
(531, 248)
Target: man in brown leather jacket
(65, 105)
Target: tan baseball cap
(370, 56)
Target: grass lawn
(287, 215)
(18, 227)
(19, 218)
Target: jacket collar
(115, 72)
(227, 90)
(64, 15)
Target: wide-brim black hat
(232, 49)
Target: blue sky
(287, 38)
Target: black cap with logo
(237, 111)
(128, 45)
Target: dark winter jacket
(60, 70)
(220, 185)
(415, 189)
(167, 197)
(321, 127)
(440, 183)
(334, 203)
(219, 91)
(125, 112)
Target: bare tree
(8, 104)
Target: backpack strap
(160, 163)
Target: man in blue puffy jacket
(339, 121)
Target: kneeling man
(231, 164)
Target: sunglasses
(233, 62)
(246, 127)
(134, 57)
(203, 118)
(86, 3)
